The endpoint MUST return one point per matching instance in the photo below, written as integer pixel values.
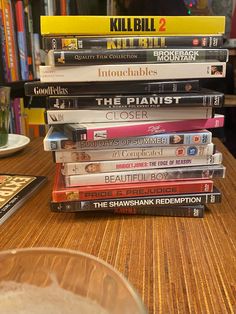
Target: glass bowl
(54, 281)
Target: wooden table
(177, 265)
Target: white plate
(16, 142)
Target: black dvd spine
(196, 211)
(130, 42)
(88, 206)
(144, 101)
(93, 57)
(37, 88)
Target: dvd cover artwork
(152, 175)
(141, 202)
(37, 88)
(56, 140)
(15, 189)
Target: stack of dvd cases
(128, 119)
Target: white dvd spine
(121, 165)
(135, 153)
(117, 72)
(141, 176)
(126, 115)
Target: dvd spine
(147, 101)
(142, 202)
(131, 25)
(135, 153)
(62, 194)
(56, 141)
(73, 194)
(130, 42)
(194, 211)
(141, 176)
(131, 71)
(73, 168)
(125, 115)
(91, 57)
(119, 87)
(104, 131)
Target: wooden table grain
(177, 265)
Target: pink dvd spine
(119, 131)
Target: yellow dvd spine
(130, 25)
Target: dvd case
(193, 211)
(132, 72)
(131, 25)
(134, 153)
(140, 202)
(102, 131)
(120, 56)
(152, 175)
(72, 168)
(204, 98)
(61, 193)
(55, 139)
(15, 190)
(125, 115)
(130, 42)
(37, 88)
